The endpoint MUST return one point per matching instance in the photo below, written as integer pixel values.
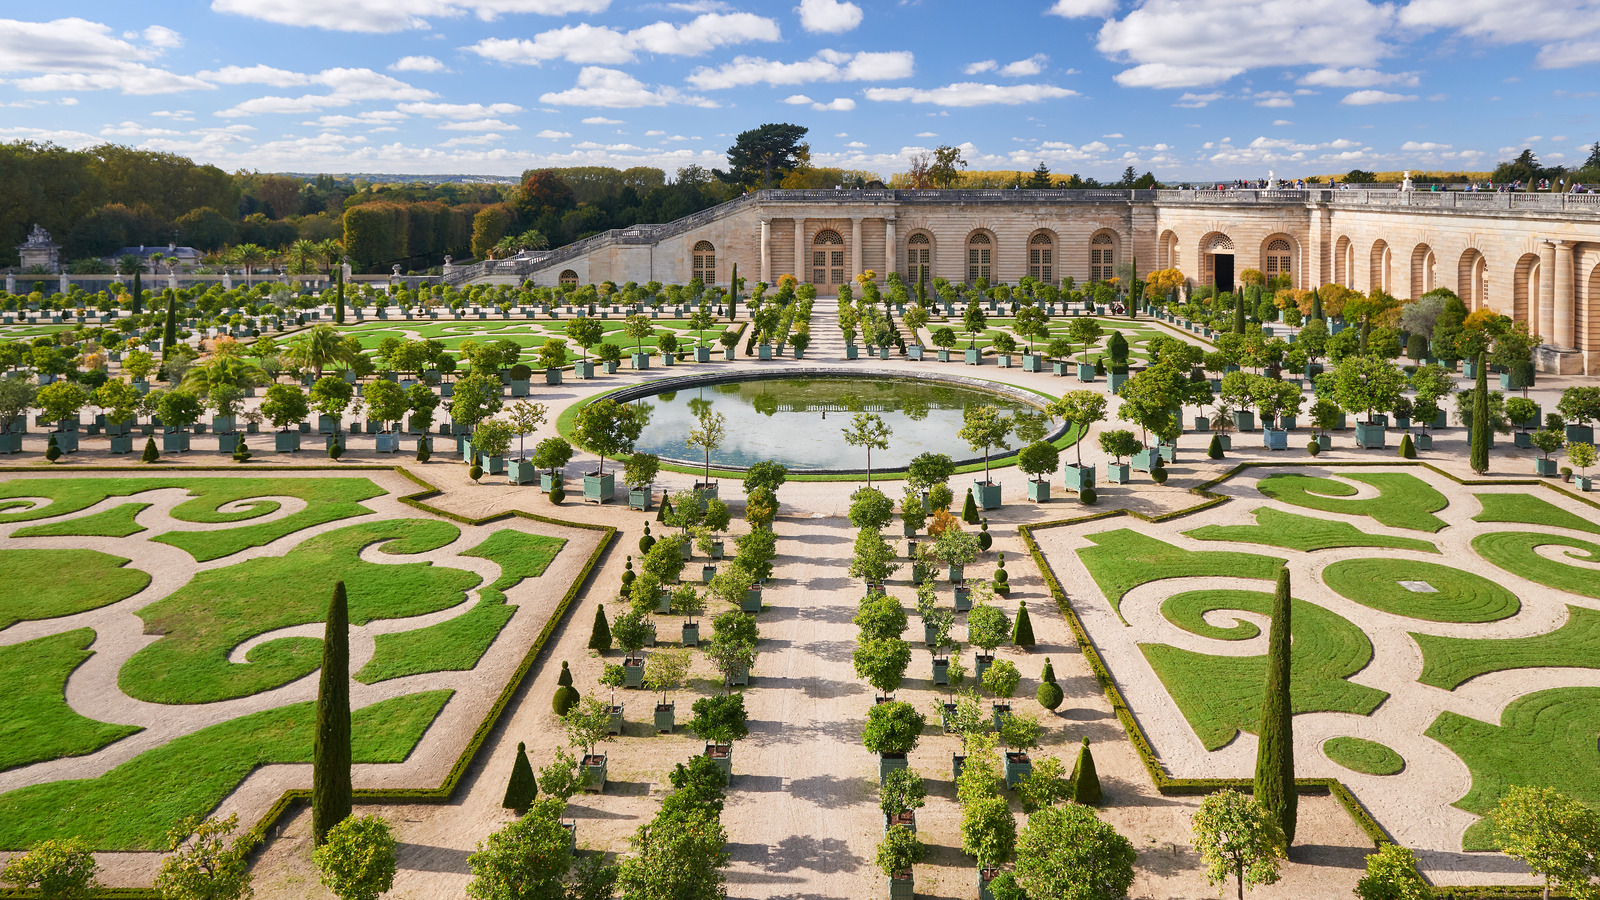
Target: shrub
(150, 454)
(1313, 447)
(969, 509)
(1088, 497)
(357, 860)
(1215, 450)
(521, 790)
(893, 727)
(1049, 695)
(600, 634)
(1022, 630)
(1159, 475)
(900, 849)
(1002, 678)
(558, 494)
(1085, 781)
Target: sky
(1188, 89)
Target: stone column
(802, 265)
(1565, 300)
(1545, 320)
(891, 250)
(766, 250)
(855, 247)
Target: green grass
(1515, 552)
(456, 645)
(115, 522)
(1544, 739)
(1526, 509)
(132, 806)
(1123, 559)
(1449, 662)
(44, 584)
(327, 500)
(1459, 596)
(1220, 696)
(1276, 528)
(1364, 756)
(1404, 501)
(38, 724)
(219, 609)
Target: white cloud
(1082, 9)
(379, 16)
(553, 135)
(459, 110)
(258, 74)
(1370, 97)
(1423, 146)
(1193, 43)
(1191, 100)
(418, 64)
(601, 120)
(1282, 122)
(613, 88)
(476, 140)
(1112, 136)
(828, 65)
(978, 68)
(972, 94)
(828, 16)
(927, 134)
(346, 86)
(798, 100)
(1359, 78)
(1568, 33)
(584, 43)
(1023, 68)
(134, 129)
(478, 125)
(837, 104)
(79, 55)
(372, 117)
(856, 144)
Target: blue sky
(1191, 89)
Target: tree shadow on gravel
(830, 792)
(832, 651)
(424, 858)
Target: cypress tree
(733, 294)
(150, 454)
(1480, 419)
(1366, 333)
(1408, 449)
(1238, 313)
(138, 294)
(1215, 450)
(1022, 628)
(1316, 305)
(522, 789)
(330, 746)
(169, 335)
(600, 637)
(969, 509)
(1085, 781)
(1274, 784)
(338, 287)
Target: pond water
(800, 421)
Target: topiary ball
(1088, 496)
(336, 450)
(985, 539)
(1049, 695)
(557, 494)
(475, 472)
(1313, 447)
(627, 575)
(1159, 476)
(648, 541)
(565, 699)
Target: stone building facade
(1535, 257)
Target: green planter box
(1544, 468)
(1032, 362)
(1584, 483)
(941, 671)
(493, 465)
(666, 717)
(1116, 380)
(944, 355)
(974, 356)
(669, 359)
(1018, 767)
(548, 480)
(640, 497)
(707, 573)
(1038, 491)
(691, 634)
(614, 724)
(594, 773)
(1085, 373)
(702, 354)
(963, 598)
(987, 494)
(888, 762)
(1580, 434)
(752, 601)
(1077, 478)
(633, 671)
(521, 471)
(173, 442)
(1370, 437)
(1274, 439)
(599, 488)
(1002, 712)
(763, 351)
(120, 444)
(1244, 420)
(980, 664)
(552, 376)
(722, 755)
(913, 351)
(641, 360)
(739, 676)
(1522, 440)
(1116, 474)
(1146, 459)
(1423, 441)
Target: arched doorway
(980, 257)
(1167, 251)
(827, 258)
(1041, 257)
(1102, 256)
(568, 278)
(1277, 258)
(1525, 292)
(1344, 261)
(705, 262)
(919, 257)
(1379, 264)
(1216, 262)
(1472, 278)
(1423, 270)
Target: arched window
(1381, 258)
(980, 257)
(1279, 256)
(1472, 275)
(919, 256)
(1102, 258)
(705, 262)
(569, 278)
(827, 263)
(1343, 261)
(1041, 257)
(1424, 266)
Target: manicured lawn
(1449, 662)
(1544, 739)
(1457, 596)
(1276, 528)
(1526, 509)
(44, 584)
(1220, 696)
(1515, 551)
(1362, 755)
(38, 724)
(1404, 501)
(1122, 560)
(132, 806)
(327, 500)
(219, 609)
(115, 522)
(456, 645)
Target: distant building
(186, 258)
(39, 251)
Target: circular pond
(800, 420)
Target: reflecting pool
(800, 421)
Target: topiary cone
(423, 451)
(1408, 450)
(664, 510)
(1215, 450)
(1085, 782)
(600, 636)
(565, 678)
(150, 454)
(522, 789)
(1049, 673)
(969, 509)
(1022, 628)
